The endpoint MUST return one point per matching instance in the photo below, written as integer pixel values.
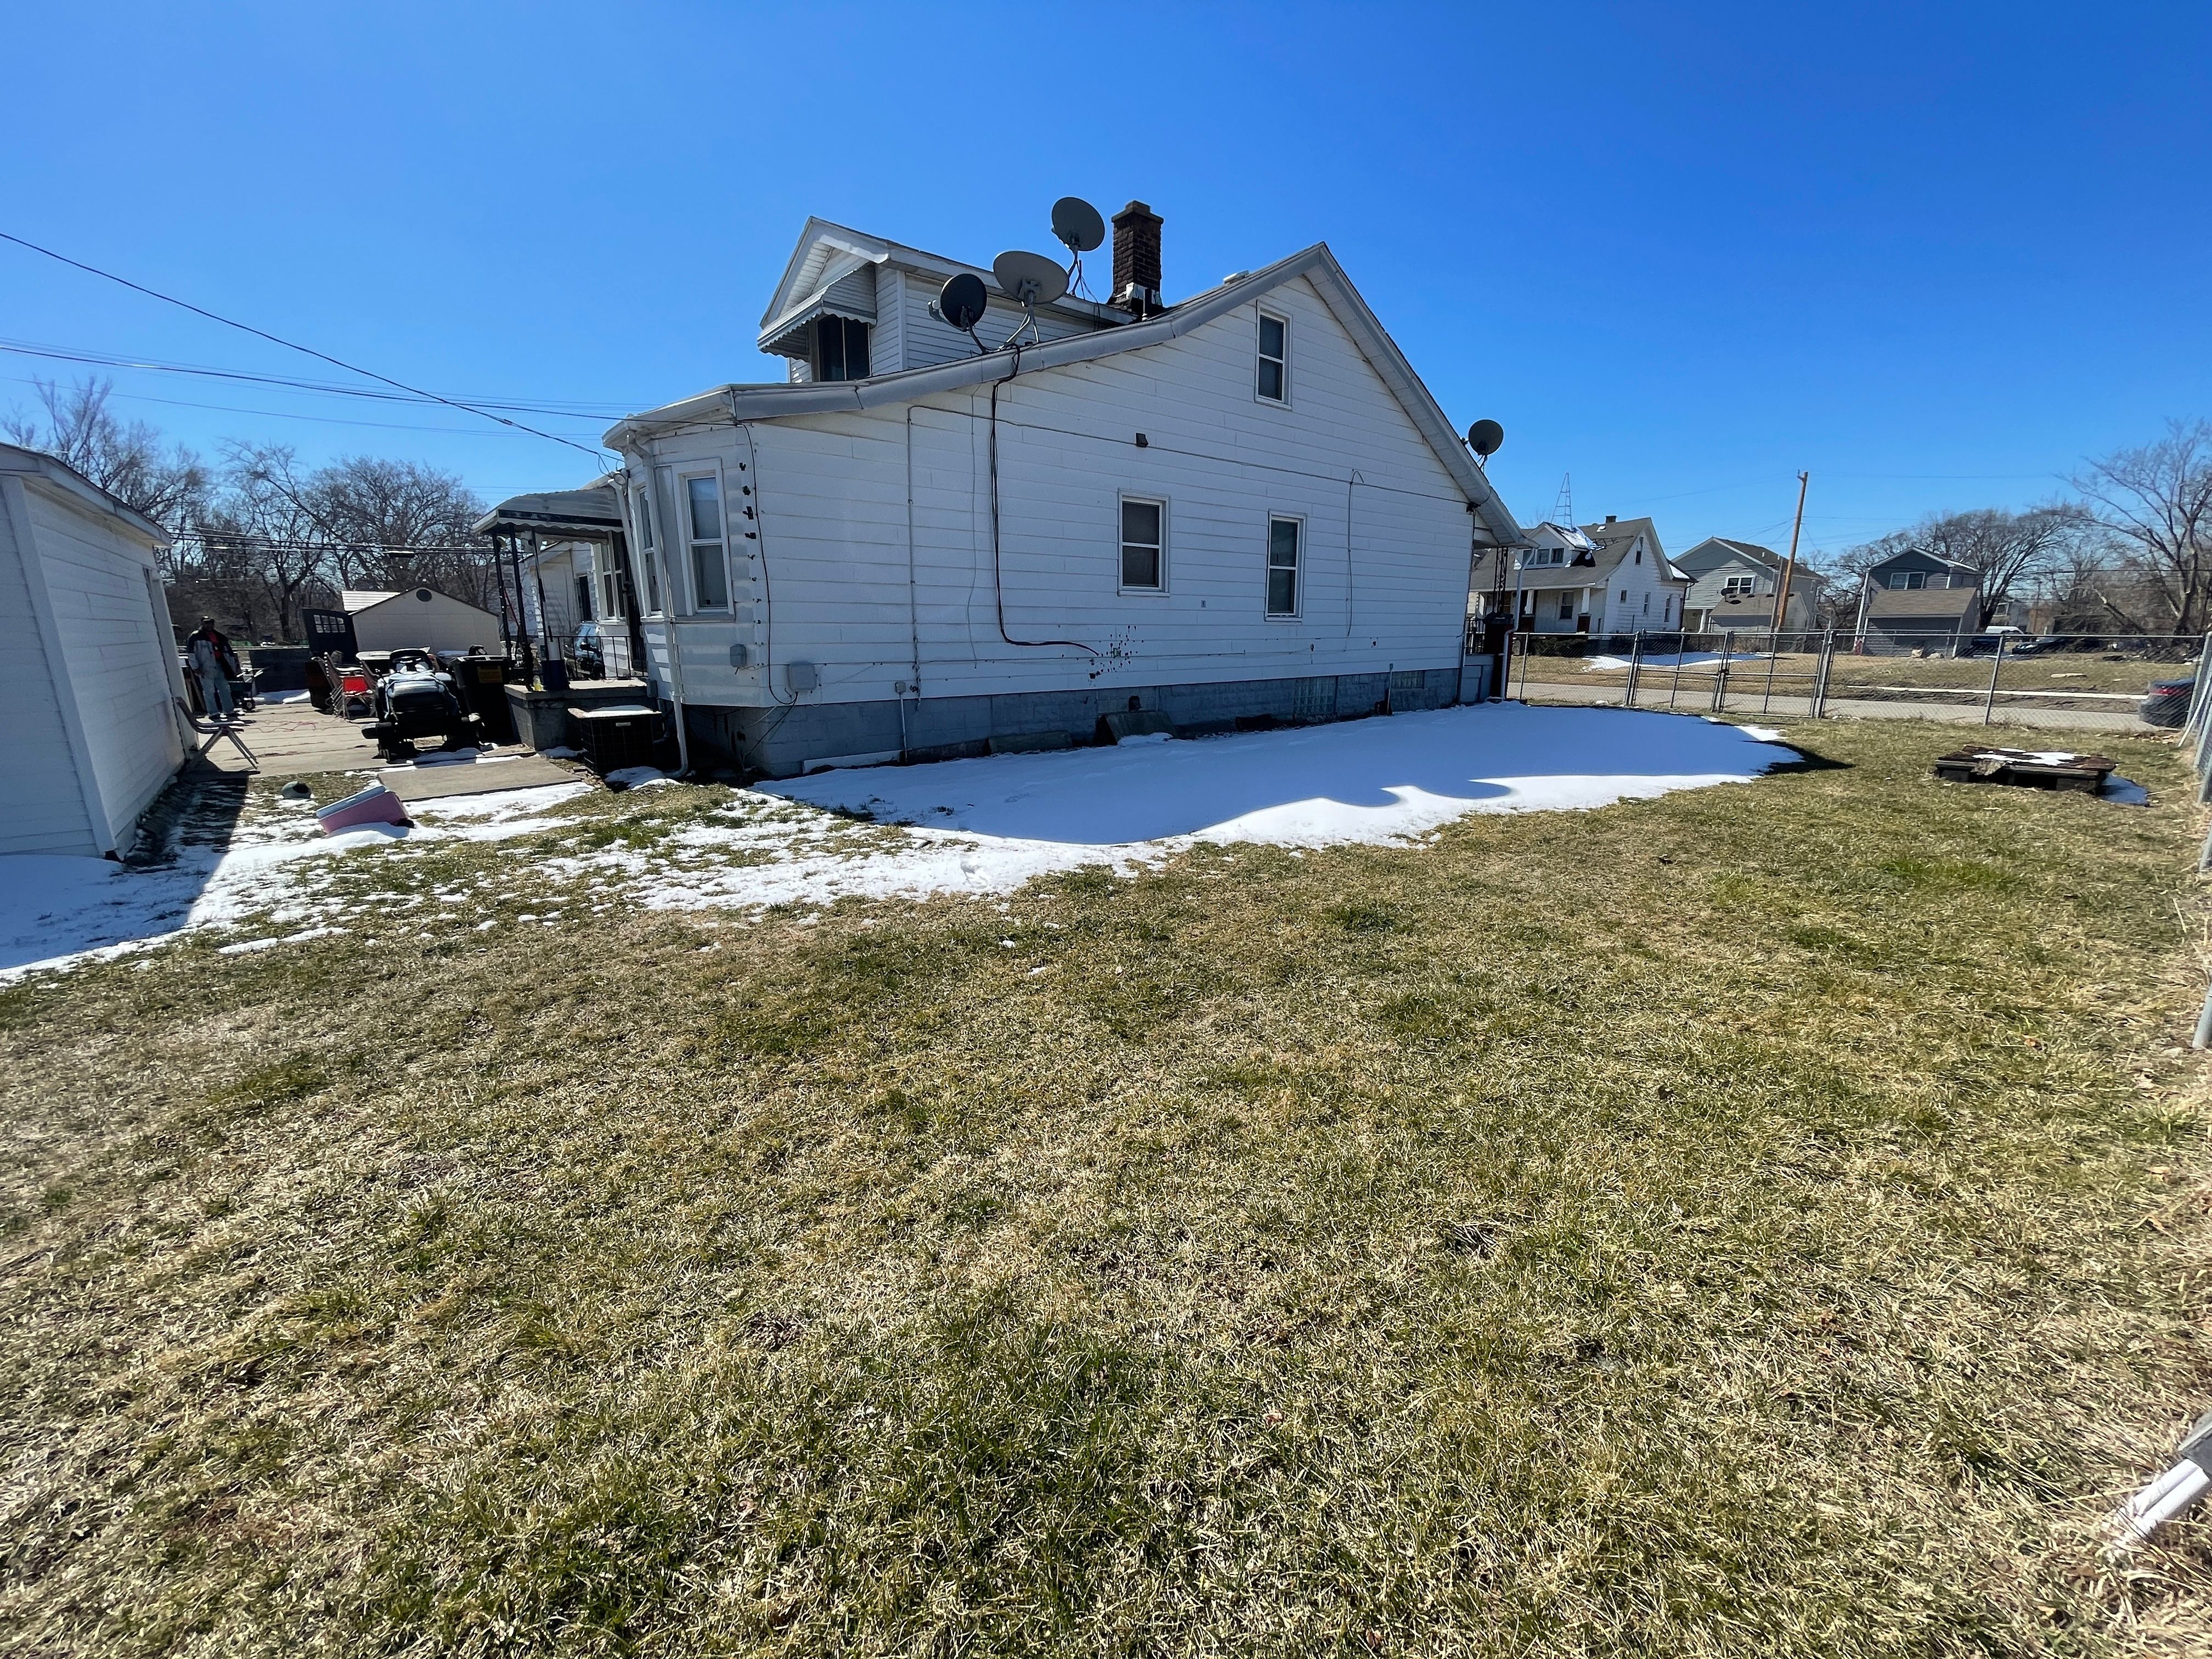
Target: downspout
(913, 596)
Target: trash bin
(481, 681)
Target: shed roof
(737, 404)
(58, 473)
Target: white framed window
(1908, 578)
(611, 599)
(1286, 543)
(583, 613)
(1272, 383)
(1737, 587)
(646, 547)
(1566, 607)
(705, 538)
(1144, 544)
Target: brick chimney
(1137, 259)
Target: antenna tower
(1563, 510)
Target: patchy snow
(983, 826)
(1674, 659)
(637, 777)
(2034, 756)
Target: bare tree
(258, 534)
(2156, 502)
(402, 524)
(126, 461)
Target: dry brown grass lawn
(1761, 1220)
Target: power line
(110, 360)
(597, 456)
(277, 414)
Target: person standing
(213, 663)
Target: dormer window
(1274, 381)
(841, 348)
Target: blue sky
(1937, 255)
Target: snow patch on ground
(1676, 660)
(984, 826)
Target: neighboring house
(1915, 601)
(1733, 584)
(89, 678)
(1609, 578)
(575, 564)
(417, 616)
(1241, 506)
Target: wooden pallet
(2027, 768)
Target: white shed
(420, 617)
(91, 734)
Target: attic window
(1275, 379)
(1736, 587)
(1904, 579)
(841, 348)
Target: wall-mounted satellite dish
(1030, 279)
(1484, 437)
(1077, 223)
(962, 300)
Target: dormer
(850, 306)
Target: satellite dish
(962, 301)
(1483, 437)
(1077, 223)
(1030, 279)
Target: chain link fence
(2110, 682)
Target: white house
(89, 678)
(1244, 505)
(420, 617)
(1609, 578)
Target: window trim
(1267, 566)
(1261, 316)
(684, 476)
(1122, 543)
(647, 548)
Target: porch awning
(592, 514)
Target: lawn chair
(214, 731)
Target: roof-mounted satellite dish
(1030, 279)
(1484, 437)
(1077, 223)
(962, 300)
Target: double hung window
(1274, 378)
(1736, 587)
(710, 567)
(1283, 536)
(611, 599)
(1143, 544)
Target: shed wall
(47, 809)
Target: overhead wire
(597, 455)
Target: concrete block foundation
(781, 742)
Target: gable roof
(737, 404)
(1922, 553)
(827, 252)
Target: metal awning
(791, 335)
(592, 514)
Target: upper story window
(649, 548)
(1284, 536)
(841, 348)
(1905, 579)
(710, 573)
(1738, 587)
(1274, 381)
(1143, 543)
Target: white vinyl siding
(876, 527)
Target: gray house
(1734, 584)
(1915, 601)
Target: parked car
(2167, 701)
(2044, 642)
(587, 653)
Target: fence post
(1721, 676)
(1996, 667)
(2200, 697)
(1682, 650)
(1821, 673)
(1635, 670)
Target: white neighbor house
(418, 617)
(90, 674)
(1610, 578)
(1243, 505)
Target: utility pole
(1790, 569)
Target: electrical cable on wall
(998, 574)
